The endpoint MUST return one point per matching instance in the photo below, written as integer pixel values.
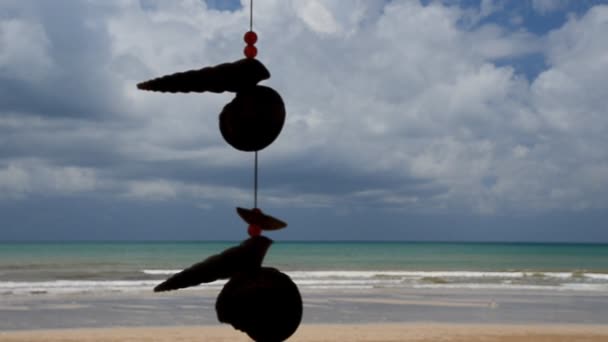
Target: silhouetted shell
(265, 304)
(253, 119)
(234, 77)
(258, 218)
(245, 257)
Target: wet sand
(357, 315)
(338, 332)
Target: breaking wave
(340, 279)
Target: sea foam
(341, 279)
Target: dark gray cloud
(70, 77)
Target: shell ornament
(260, 301)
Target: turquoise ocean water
(56, 268)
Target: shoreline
(392, 332)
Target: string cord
(255, 181)
(250, 15)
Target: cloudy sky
(406, 120)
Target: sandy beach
(317, 333)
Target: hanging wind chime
(261, 301)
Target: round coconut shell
(265, 304)
(253, 119)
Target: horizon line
(310, 241)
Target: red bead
(250, 38)
(254, 230)
(250, 51)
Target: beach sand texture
(317, 333)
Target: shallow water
(110, 267)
